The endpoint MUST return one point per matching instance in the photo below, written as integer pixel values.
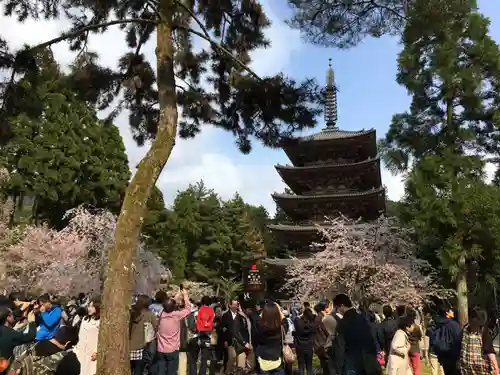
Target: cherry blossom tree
(150, 272)
(372, 262)
(64, 262)
(38, 259)
(196, 290)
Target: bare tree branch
(75, 33)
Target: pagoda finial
(330, 98)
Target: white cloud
(191, 160)
(395, 184)
(200, 158)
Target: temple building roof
(358, 228)
(328, 196)
(327, 166)
(294, 228)
(333, 172)
(280, 262)
(328, 134)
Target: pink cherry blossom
(370, 262)
(36, 258)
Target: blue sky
(368, 97)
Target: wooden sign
(253, 280)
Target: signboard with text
(253, 280)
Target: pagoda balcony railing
(305, 223)
(334, 190)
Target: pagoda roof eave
(279, 167)
(328, 135)
(328, 196)
(280, 262)
(293, 228)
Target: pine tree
(344, 24)
(237, 100)
(451, 68)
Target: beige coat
(399, 361)
(87, 345)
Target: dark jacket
(10, 338)
(269, 344)
(304, 334)
(234, 329)
(377, 336)
(356, 351)
(453, 331)
(254, 318)
(387, 330)
(184, 335)
(242, 329)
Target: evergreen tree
(344, 24)
(66, 158)
(451, 67)
(161, 235)
(247, 240)
(237, 100)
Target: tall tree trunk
(113, 353)
(462, 293)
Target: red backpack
(205, 319)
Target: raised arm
(51, 318)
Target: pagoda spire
(330, 99)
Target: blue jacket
(48, 323)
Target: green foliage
(232, 97)
(161, 236)
(393, 209)
(344, 24)
(455, 219)
(451, 68)
(65, 158)
(203, 238)
(228, 288)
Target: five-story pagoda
(333, 172)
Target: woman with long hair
(86, 348)
(305, 327)
(269, 350)
(142, 332)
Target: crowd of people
(173, 334)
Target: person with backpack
(49, 357)
(201, 325)
(444, 341)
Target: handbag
(288, 354)
(238, 346)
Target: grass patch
(424, 369)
